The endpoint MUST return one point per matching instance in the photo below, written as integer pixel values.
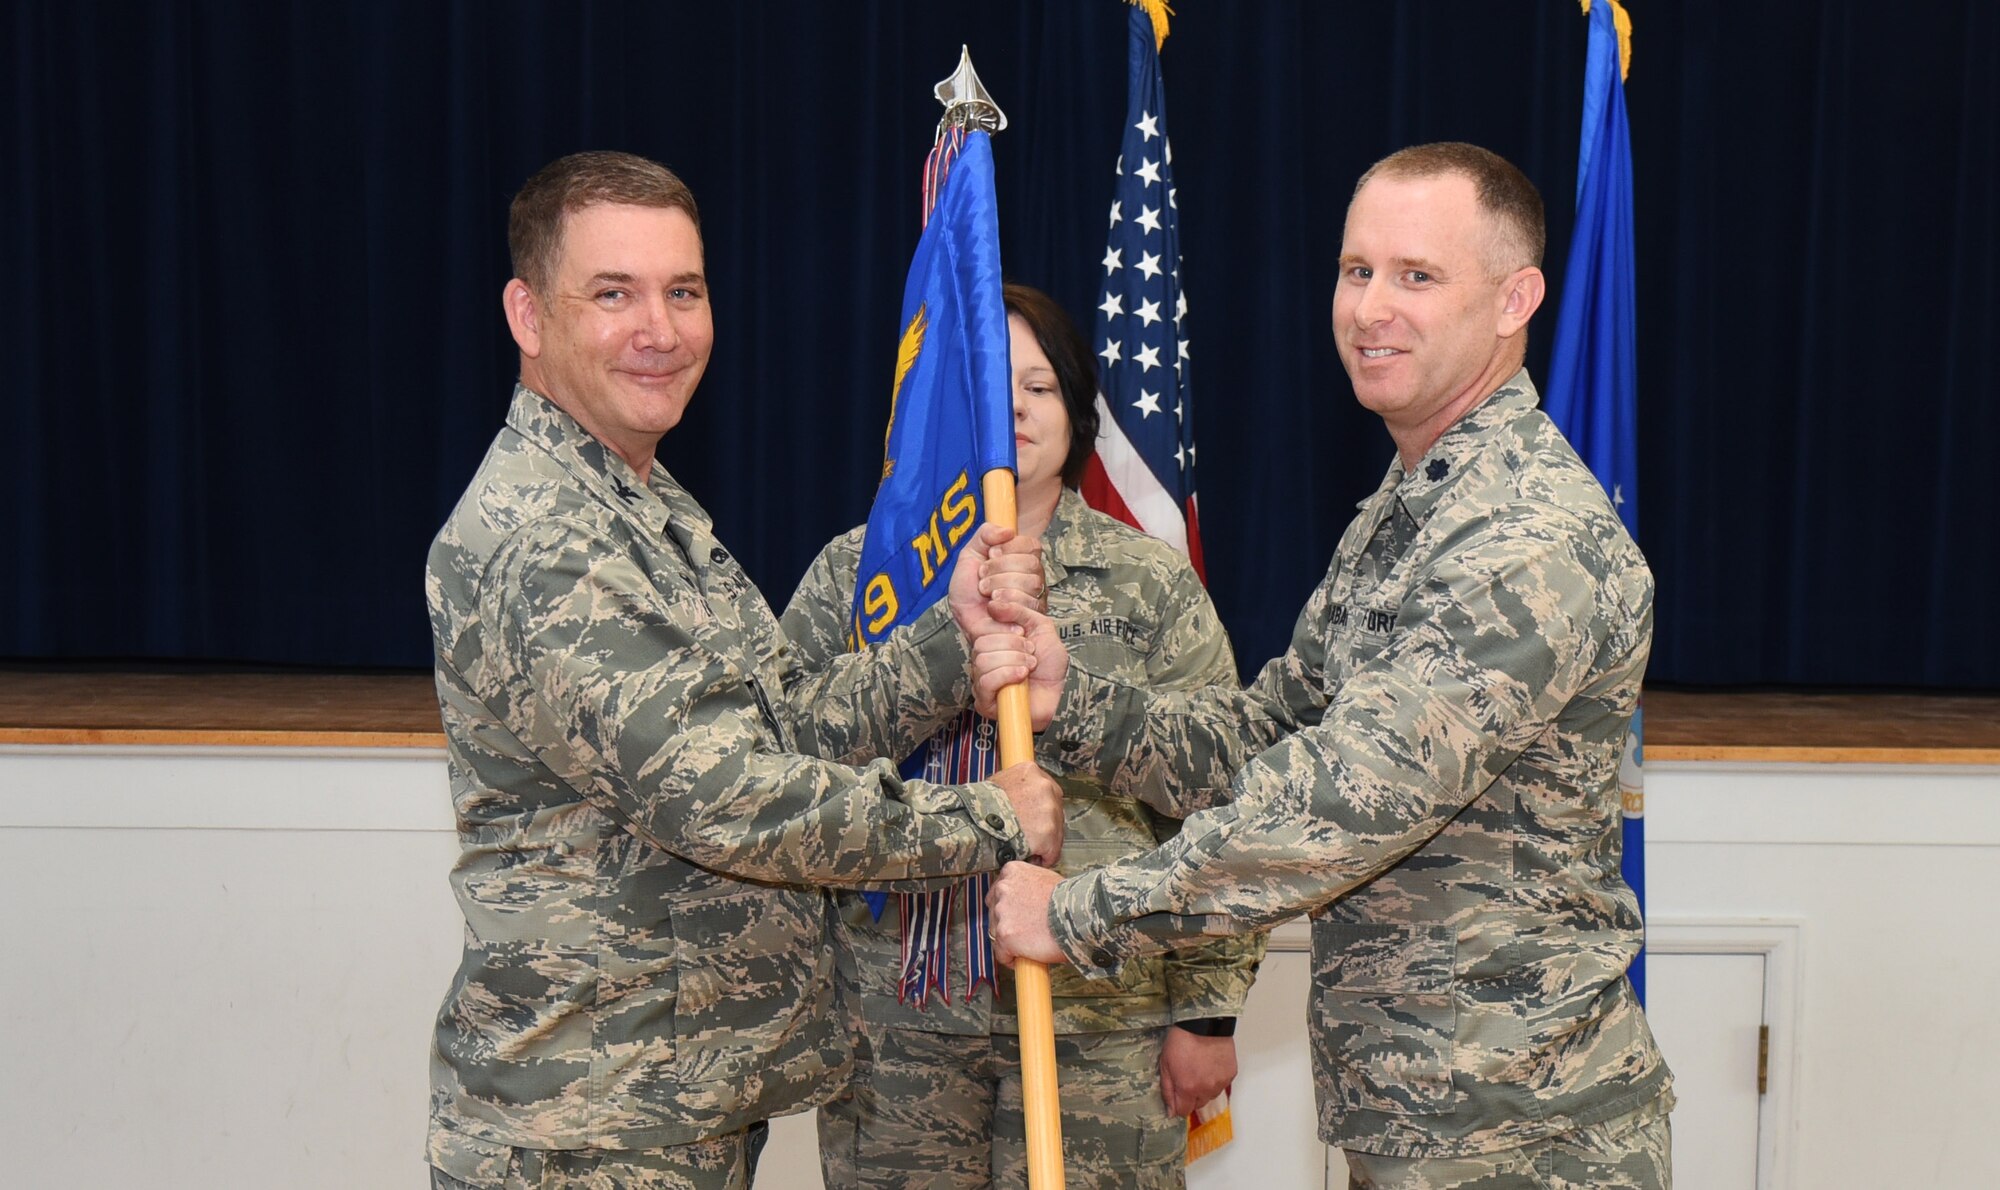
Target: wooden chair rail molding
(290, 710)
(399, 710)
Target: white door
(1706, 1011)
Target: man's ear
(1523, 292)
(524, 317)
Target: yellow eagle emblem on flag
(906, 358)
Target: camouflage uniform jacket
(1134, 608)
(624, 724)
(1431, 769)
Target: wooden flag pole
(1035, 1010)
(967, 106)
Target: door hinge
(1763, 1058)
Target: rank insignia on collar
(624, 493)
(1436, 470)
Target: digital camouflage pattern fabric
(1431, 770)
(636, 768)
(1134, 607)
(1629, 1152)
(718, 1163)
(964, 1130)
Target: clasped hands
(998, 598)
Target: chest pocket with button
(735, 605)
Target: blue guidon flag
(1593, 366)
(1143, 469)
(951, 420)
(951, 412)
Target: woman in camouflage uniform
(936, 1097)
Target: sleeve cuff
(1076, 731)
(1082, 929)
(992, 815)
(936, 635)
(1197, 1009)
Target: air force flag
(1593, 367)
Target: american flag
(1143, 470)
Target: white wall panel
(222, 964)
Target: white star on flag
(1148, 403)
(1149, 219)
(1115, 215)
(1149, 313)
(1149, 170)
(1110, 352)
(1146, 128)
(1149, 264)
(1111, 262)
(1148, 358)
(1113, 305)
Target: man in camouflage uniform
(634, 756)
(1431, 767)
(921, 1112)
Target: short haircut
(1075, 367)
(569, 184)
(1505, 194)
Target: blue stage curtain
(252, 258)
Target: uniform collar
(1066, 542)
(652, 501)
(1456, 452)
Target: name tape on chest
(1378, 621)
(1117, 628)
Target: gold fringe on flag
(1158, 10)
(1209, 1128)
(1620, 19)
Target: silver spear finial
(966, 103)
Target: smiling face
(1426, 324)
(1041, 422)
(621, 337)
